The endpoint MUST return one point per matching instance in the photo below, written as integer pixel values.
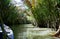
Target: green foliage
(8, 11)
(46, 12)
(22, 19)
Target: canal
(28, 31)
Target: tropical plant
(45, 12)
(8, 14)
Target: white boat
(8, 31)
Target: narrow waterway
(28, 31)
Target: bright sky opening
(19, 3)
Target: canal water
(28, 31)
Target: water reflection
(24, 32)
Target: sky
(19, 3)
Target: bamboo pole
(31, 4)
(28, 3)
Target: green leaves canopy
(8, 11)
